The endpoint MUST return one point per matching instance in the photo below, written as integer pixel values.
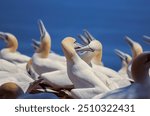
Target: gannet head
(123, 56)
(140, 67)
(45, 45)
(92, 45)
(11, 40)
(69, 45)
(10, 90)
(135, 47)
(146, 39)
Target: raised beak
(88, 35)
(3, 35)
(129, 41)
(146, 39)
(36, 43)
(85, 48)
(35, 47)
(42, 29)
(120, 54)
(85, 41)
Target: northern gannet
(40, 61)
(10, 53)
(136, 49)
(58, 79)
(125, 60)
(10, 90)
(52, 55)
(141, 88)
(95, 47)
(86, 83)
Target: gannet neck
(68, 48)
(135, 47)
(136, 50)
(87, 57)
(12, 43)
(140, 67)
(97, 59)
(45, 47)
(29, 63)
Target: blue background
(108, 20)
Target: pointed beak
(120, 54)
(3, 35)
(88, 35)
(42, 29)
(129, 41)
(77, 45)
(85, 41)
(35, 47)
(146, 39)
(36, 43)
(85, 48)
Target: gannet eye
(75, 41)
(91, 49)
(6, 38)
(126, 59)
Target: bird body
(141, 88)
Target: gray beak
(36, 43)
(42, 29)
(146, 39)
(129, 41)
(86, 38)
(85, 48)
(88, 35)
(85, 41)
(3, 35)
(77, 45)
(35, 47)
(121, 55)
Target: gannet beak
(3, 35)
(129, 41)
(120, 54)
(36, 43)
(35, 47)
(84, 48)
(85, 41)
(146, 39)
(42, 29)
(88, 35)
(77, 45)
